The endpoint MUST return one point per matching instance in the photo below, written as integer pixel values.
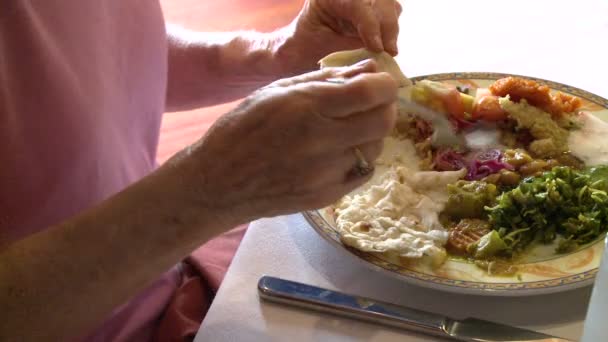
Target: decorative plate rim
(496, 75)
(553, 285)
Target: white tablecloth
(287, 247)
(563, 41)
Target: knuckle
(320, 100)
(387, 83)
(285, 100)
(376, 88)
(398, 7)
(365, 90)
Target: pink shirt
(82, 91)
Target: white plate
(542, 273)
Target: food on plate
(466, 233)
(468, 199)
(538, 95)
(548, 138)
(439, 97)
(533, 170)
(398, 215)
(562, 202)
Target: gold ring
(362, 167)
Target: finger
(329, 177)
(339, 164)
(354, 181)
(333, 168)
(370, 150)
(364, 66)
(389, 25)
(358, 94)
(364, 127)
(360, 160)
(317, 75)
(335, 192)
(331, 192)
(366, 22)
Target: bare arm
(60, 283)
(210, 68)
(66, 278)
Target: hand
(325, 26)
(290, 146)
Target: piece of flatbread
(399, 215)
(386, 63)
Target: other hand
(325, 26)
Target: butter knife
(324, 300)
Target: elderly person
(86, 220)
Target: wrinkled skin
(289, 146)
(286, 148)
(325, 26)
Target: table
(562, 41)
(287, 247)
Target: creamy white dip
(398, 212)
(590, 142)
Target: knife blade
(324, 300)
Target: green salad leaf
(487, 246)
(566, 202)
(599, 176)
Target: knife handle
(319, 299)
